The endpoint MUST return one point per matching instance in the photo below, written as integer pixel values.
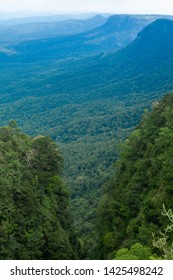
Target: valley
(87, 91)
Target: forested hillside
(34, 202)
(131, 206)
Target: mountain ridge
(112, 35)
(21, 32)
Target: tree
(136, 252)
(35, 221)
(162, 242)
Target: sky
(107, 6)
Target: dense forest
(84, 85)
(34, 202)
(131, 205)
(35, 218)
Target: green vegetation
(130, 208)
(34, 202)
(136, 252)
(162, 241)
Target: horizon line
(83, 12)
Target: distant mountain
(149, 58)
(155, 40)
(11, 18)
(116, 33)
(17, 33)
(146, 64)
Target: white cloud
(116, 6)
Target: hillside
(34, 202)
(131, 207)
(117, 32)
(149, 55)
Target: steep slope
(149, 55)
(131, 208)
(34, 209)
(117, 32)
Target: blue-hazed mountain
(144, 65)
(19, 17)
(19, 32)
(116, 33)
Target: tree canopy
(130, 210)
(34, 204)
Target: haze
(108, 6)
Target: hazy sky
(113, 6)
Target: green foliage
(163, 241)
(34, 202)
(136, 252)
(130, 208)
